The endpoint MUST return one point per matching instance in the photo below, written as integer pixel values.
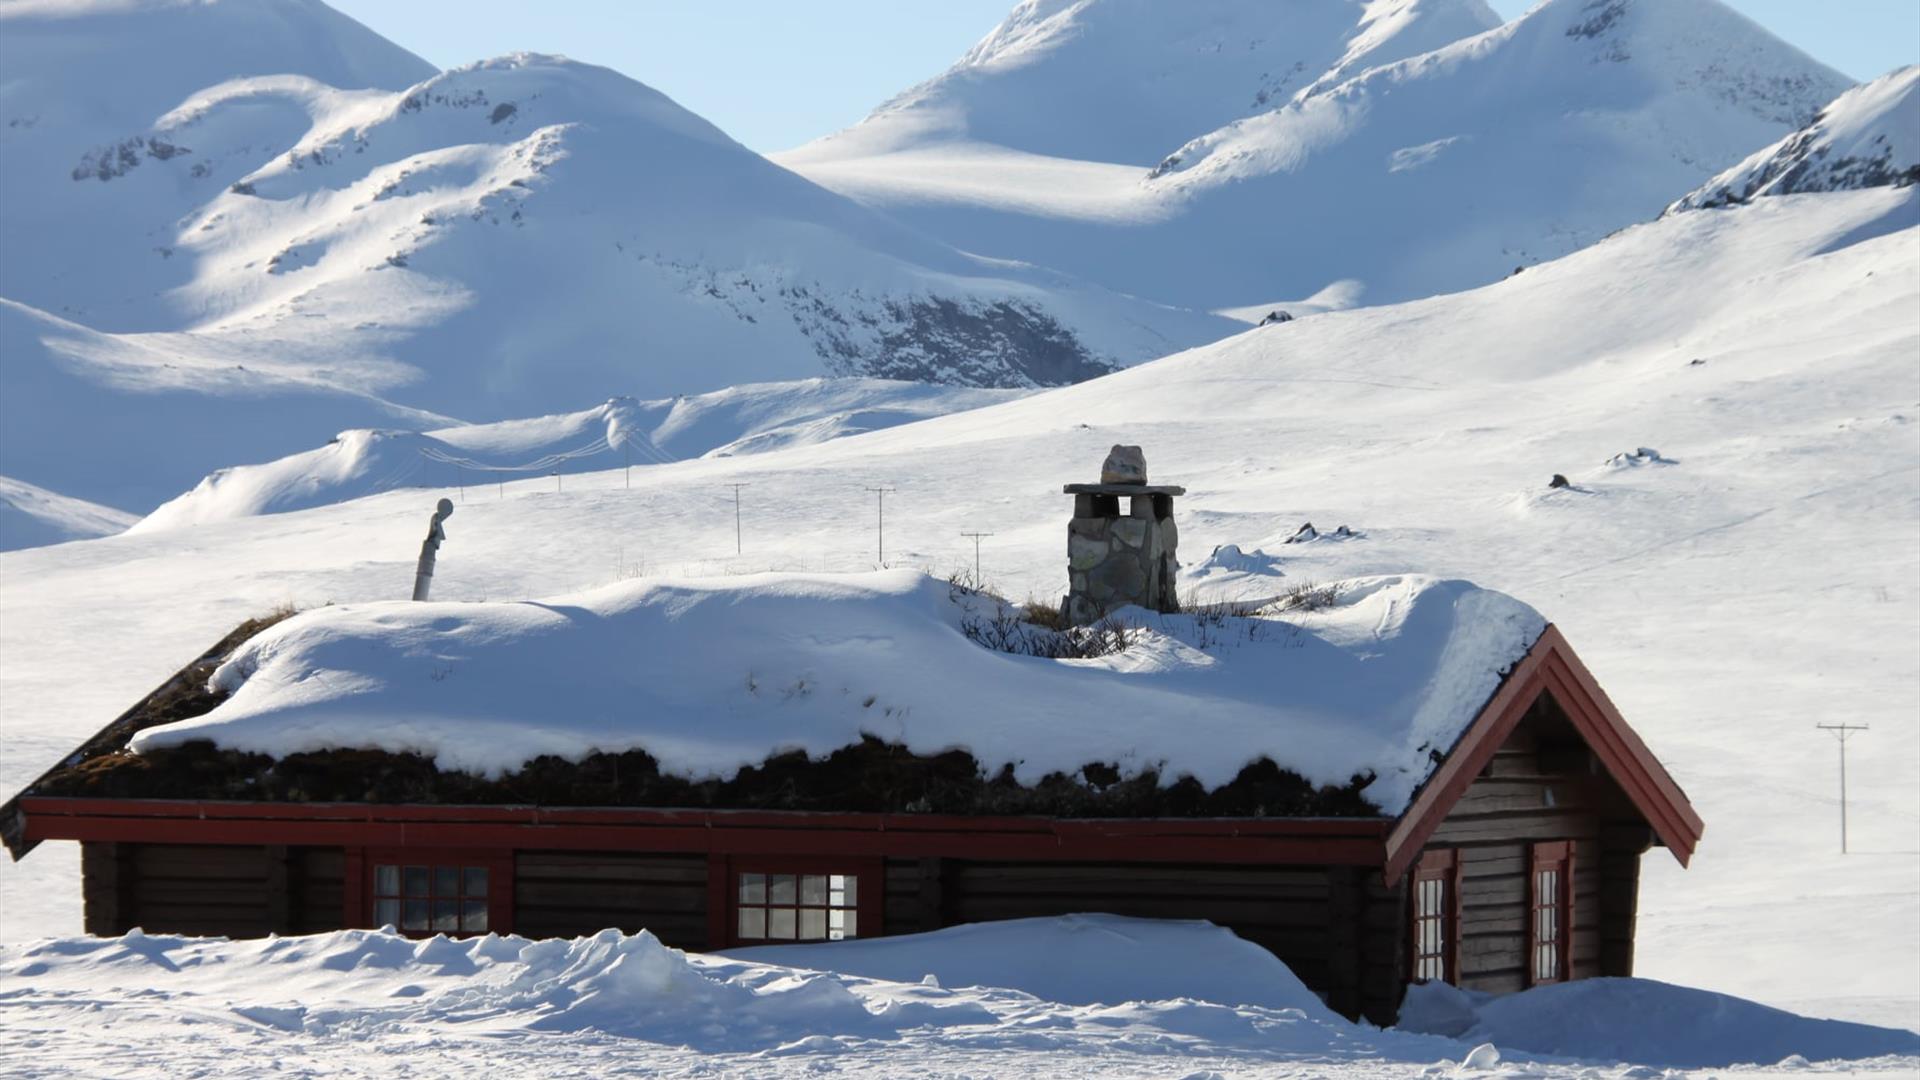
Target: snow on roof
(709, 675)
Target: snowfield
(1757, 576)
(1120, 997)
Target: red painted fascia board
(1476, 746)
(1550, 664)
(1626, 757)
(1314, 840)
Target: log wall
(1542, 785)
(1339, 929)
(571, 894)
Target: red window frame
(723, 893)
(1550, 913)
(1436, 877)
(361, 883)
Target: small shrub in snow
(1008, 631)
(1045, 615)
(1308, 596)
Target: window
(796, 907)
(1436, 916)
(423, 894)
(1550, 904)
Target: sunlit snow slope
(1757, 575)
(746, 419)
(1407, 146)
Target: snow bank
(353, 982)
(714, 674)
(1644, 1021)
(1073, 959)
(613, 1003)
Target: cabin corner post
(107, 881)
(1621, 846)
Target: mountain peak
(1868, 137)
(1126, 80)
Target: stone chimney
(1117, 556)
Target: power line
(1842, 732)
(976, 537)
(880, 527)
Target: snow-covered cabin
(1409, 778)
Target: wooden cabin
(1516, 863)
(1511, 857)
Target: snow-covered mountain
(261, 203)
(1415, 156)
(1868, 137)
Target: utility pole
(736, 515)
(556, 479)
(880, 528)
(626, 454)
(1842, 731)
(976, 537)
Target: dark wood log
(606, 896)
(1510, 981)
(1536, 825)
(611, 867)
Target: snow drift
(1073, 959)
(1644, 1021)
(709, 676)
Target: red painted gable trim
(1551, 666)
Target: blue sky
(775, 73)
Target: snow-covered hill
(738, 420)
(1868, 137)
(31, 516)
(1409, 164)
(1754, 576)
(268, 186)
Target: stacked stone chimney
(1121, 553)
